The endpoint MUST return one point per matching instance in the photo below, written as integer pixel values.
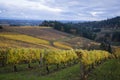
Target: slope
(49, 36)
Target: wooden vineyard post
(82, 67)
(29, 66)
(47, 68)
(46, 64)
(41, 60)
(3, 63)
(15, 68)
(57, 66)
(83, 71)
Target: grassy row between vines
(69, 73)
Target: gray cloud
(60, 9)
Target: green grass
(69, 73)
(110, 70)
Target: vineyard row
(46, 57)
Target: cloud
(60, 9)
(26, 5)
(0, 11)
(94, 13)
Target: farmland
(52, 36)
(25, 51)
(52, 59)
(11, 37)
(59, 40)
(46, 33)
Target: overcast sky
(59, 9)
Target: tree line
(87, 29)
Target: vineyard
(41, 57)
(19, 56)
(49, 60)
(60, 39)
(46, 33)
(46, 57)
(10, 39)
(24, 38)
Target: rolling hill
(41, 37)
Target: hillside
(30, 59)
(94, 30)
(41, 37)
(39, 32)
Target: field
(51, 35)
(30, 53)
(46, 33)
(80, 42)
(30, 37)
(5, 43)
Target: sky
(89, 10)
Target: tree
(1, 27)
(116, 36)
(105, 45)
(109, 48)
